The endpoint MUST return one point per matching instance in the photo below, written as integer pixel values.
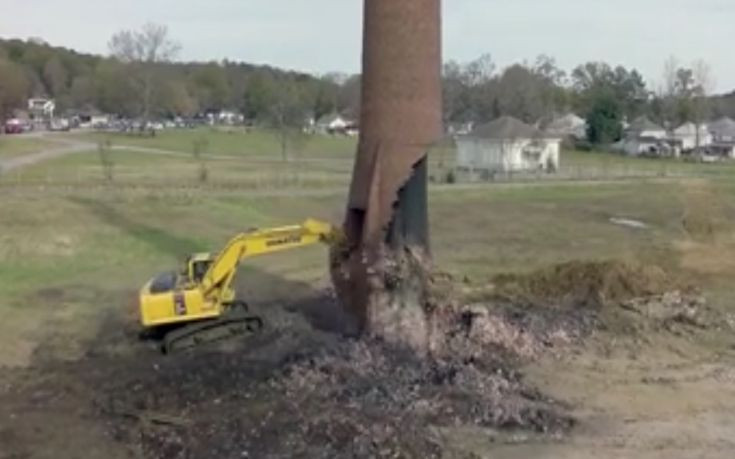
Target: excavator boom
(263, 242)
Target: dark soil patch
(293, 391)
(51, 294)
(301, 390)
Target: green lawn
(145, 168)
(79, 254)
(253, 160)
(70, 254)
(65, 238)
(611, 163)
(235, 142)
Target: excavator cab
(197, 266)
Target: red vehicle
(13, 126)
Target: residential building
(568, 126)
(335, 124)
(691, 137)
(41, 109)
(645, 138)
(507, 145)
(722, 130)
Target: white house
(644, 127)
(690, 137)
(507, 145)
(460, 128)
(723, 130)
(41, 108)
(334, 124)
(569, 125)
(99, 119)
(644, 137)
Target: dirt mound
(547, 310)
(590, 284)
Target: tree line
(142, 79)
(605, 95)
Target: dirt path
(64, 147)
(663, 407)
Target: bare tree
(671, 67)
(667, 92)
(199, 149)
(142, 50)
(685, 93)
(704, 85)
(104, 150)
(480, 71)
(287, 114)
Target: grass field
(253, 160)
(133, 167)
(96, 248)
(73, 256)
(625, 165)
(235, 142)
(241, 159)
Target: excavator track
(236, 323)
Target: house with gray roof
(567, 126)
(646, 138)
(508, 145)
(723, 130)
(690, 136)
(723, 138)
(334, 123)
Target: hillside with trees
(142, 78)
(131, 82)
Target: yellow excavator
(198, 304)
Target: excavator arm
(262, 242)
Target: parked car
(14, 126)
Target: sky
(321, 36)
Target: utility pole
(379, 274)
